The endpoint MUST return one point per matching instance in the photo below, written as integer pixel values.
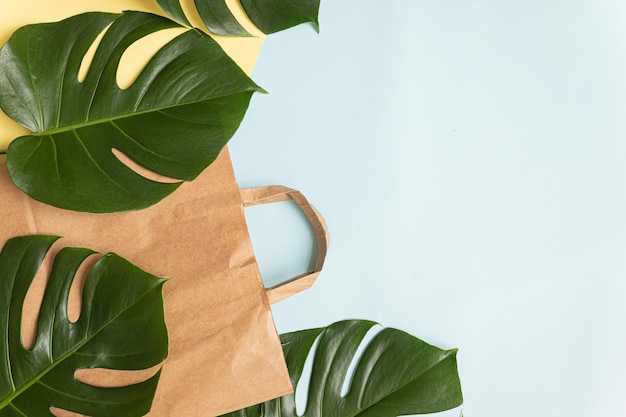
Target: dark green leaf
(396, 375)
(174, 119)
(219, 19)
(175, 10)
(214, 13)
(275, 15)
(121, 326)
(268, 15)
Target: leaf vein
(69, 395)
(446, 354)
(60, 99)
(75, 126)
(92, 159)
(13, 406)
(32, 84)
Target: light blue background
(470, 159)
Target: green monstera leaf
(216, 16)
(268, 15)
(174, 119)
(275, 15)
(396, 375)
(121, 326)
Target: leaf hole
(141, 170)
(75, 298)
(139, 53)
(114, 378)
(369, 336)
(33, 300)
(85, 64)
(37, 290)
(59, 412)
(238, 11)
(190, 10)
(301, 392)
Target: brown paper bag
(277, 193)
(224, 350)
(225, 353)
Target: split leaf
(214, 13)
(396, 375)
(174, 119)
(269, 16)
(121, 326)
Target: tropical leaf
(396, 375)
(121, 326)
(275, 15)
(216, 16)
(268, 15)
(173, 120)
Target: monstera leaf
(275, 15)
(397, 375)
(268, 15)
(214, 13)
(173, 120)
(121, 326)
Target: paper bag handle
(275, 194)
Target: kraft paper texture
(224, 349)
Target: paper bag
(224, 350)
(277, 193)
